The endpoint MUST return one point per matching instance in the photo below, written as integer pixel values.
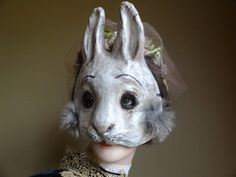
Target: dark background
(38, 39)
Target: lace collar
(83, 165)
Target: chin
(111, 153)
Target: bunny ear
(130, 38)
(94, 35)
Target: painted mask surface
(116, 97)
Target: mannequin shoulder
(49, 173)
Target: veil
(156, 55)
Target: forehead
(104, 65)
(108, 74)
(109, 70)
(109, 66)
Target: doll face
(116, 98)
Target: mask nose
(102, 129)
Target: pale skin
(114, 154)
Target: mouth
(107, 142)
(104, 144)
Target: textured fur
(70, 119)
(160, 123)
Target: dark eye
(128, 100)
(87, 99)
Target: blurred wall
(38, 38)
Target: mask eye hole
(128, 100)
(87, 99)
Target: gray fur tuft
(160, 123)
(70, 119)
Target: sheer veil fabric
(154, 51)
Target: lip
(104, 144)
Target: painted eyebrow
(91, 76)
(129, 76)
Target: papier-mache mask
(120, 95)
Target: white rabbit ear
(94, 35)
(130, 38)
